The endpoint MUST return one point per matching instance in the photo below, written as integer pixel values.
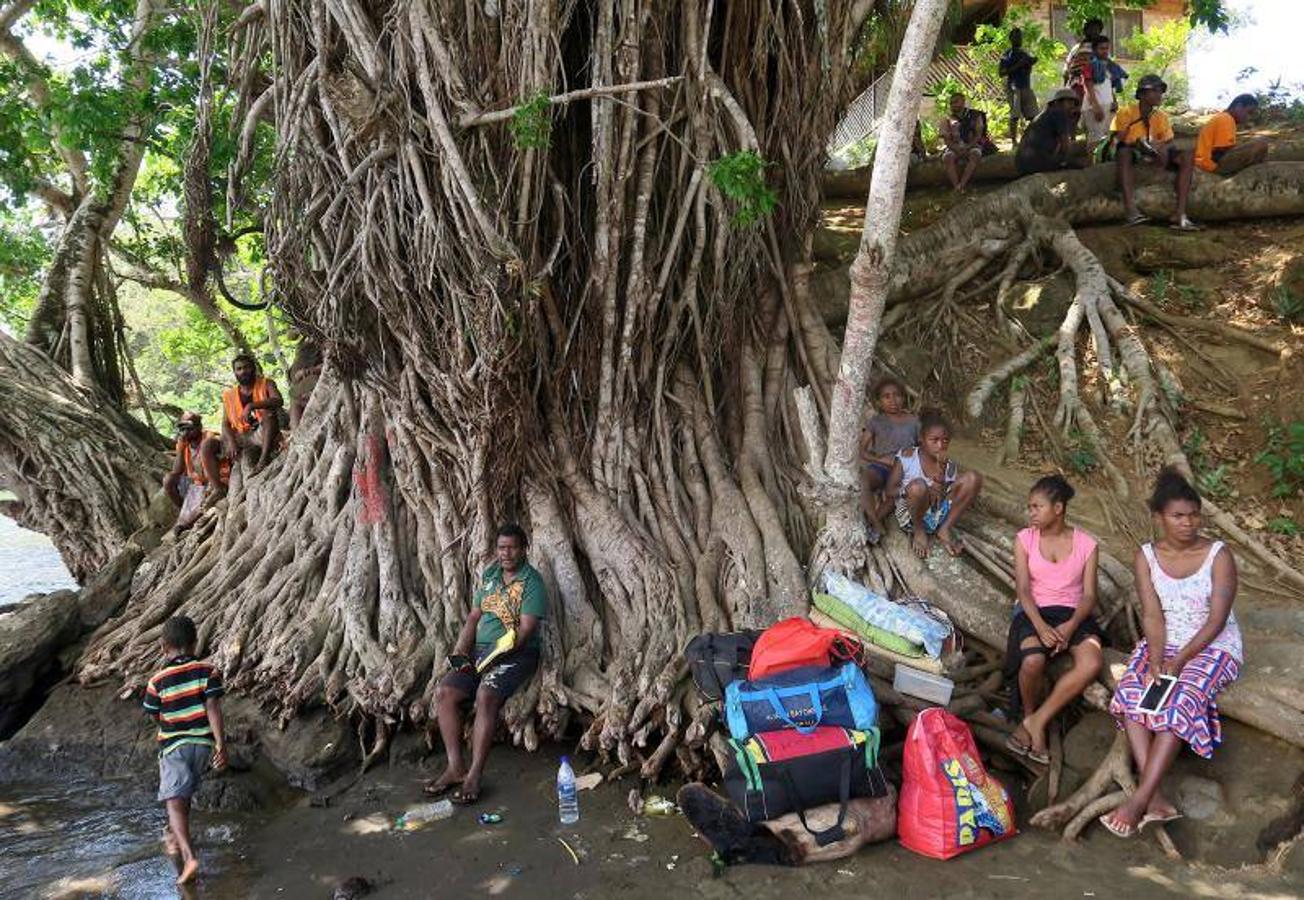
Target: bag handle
(834, 832)
(812, 691)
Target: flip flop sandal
(460, 798)
(1040, 757)
(1138, 219)
(1157, 820)
(1186, 225)
(430, 790)
(1126, 832)
(1017, 747)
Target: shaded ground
(307, 850)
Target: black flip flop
(437, 792)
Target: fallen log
(853, 184)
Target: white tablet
(1156, 696)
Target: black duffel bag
(714, 660)
(781, 772)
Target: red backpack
(798, 642)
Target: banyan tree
(558, 254)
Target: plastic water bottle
(416, 816)
(568, 805)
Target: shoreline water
(31, 563)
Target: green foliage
(24, 254)
(1210, 479)
(1162, 51)
(531, 123)
(741, 177)
(1284, 458)
(182, 357)
(1082, 10)
(1284, 525)
(1287, 304)
(1082, 459)
(1209, 13)
(1160, 281)
(1280, 101)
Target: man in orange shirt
(1216, 149)
(1145, 136)
(250, 428)
(198, 461)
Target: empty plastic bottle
(568, 804)
(419, 815)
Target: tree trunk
(83, 470)
(522, 244)
(841, 542)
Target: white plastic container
(418, 816)
(924, 685)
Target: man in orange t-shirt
(1216, 149)
(1145, 137)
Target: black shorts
(1021, 628)
(504, 677)
(1174, 163)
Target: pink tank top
(1058, 583)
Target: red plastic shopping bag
(949, 804)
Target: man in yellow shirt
(1145, 135)
(1216, 149)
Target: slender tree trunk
(842, 540)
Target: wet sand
(307, 851)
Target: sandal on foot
(1137, 219)
(1152, 819)
(464, 798)
(1120, 831)
(1016, 746)
(430, 789)
(1040, 757)
(1186, 225)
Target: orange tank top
(196, 472)
(233, 406)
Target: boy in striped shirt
(183, 697)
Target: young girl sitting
(931, 493)
(1055, 580)
(1187, 584)
(890, 430)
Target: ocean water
(83, 839)
(29, 563)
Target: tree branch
(499, 115)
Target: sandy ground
(307, 851)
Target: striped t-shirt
(175, 697)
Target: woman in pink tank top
(1055, 580)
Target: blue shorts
(181, 769)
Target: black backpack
(716, 659)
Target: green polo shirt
(526, 588)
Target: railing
(863, 114)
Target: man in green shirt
(496, 654)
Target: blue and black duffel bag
(801, 699)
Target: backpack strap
(834, 832)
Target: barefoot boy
(183, 698)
